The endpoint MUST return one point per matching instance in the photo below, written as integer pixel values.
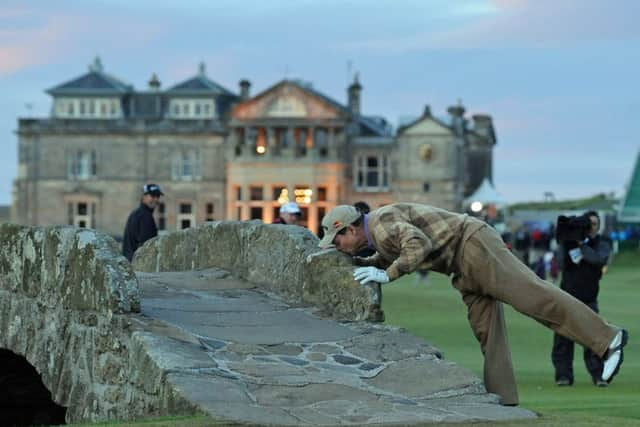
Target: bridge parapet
(284, 259)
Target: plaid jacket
(409, 237)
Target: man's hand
(366, 275)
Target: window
(239, 213)
(426, 187)
(256, 213)
(238, 193)
(186, 165)
(322, 194)
(197, 109)
(81, 213)
(185, 217)
(82, 164)
(280, 193)
(209, 209)
(255, 193)
(321, 142)
(372, 173)
(302, 195)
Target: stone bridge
(238, 320)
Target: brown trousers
(490, 274)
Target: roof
(373, 124)
(486, 194)
(95, 82)
(200, 84)
(630, 206)
(407, 122)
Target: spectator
(290, 214)
(581, 264)
(140, 225)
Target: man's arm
(374, 260)
(598, 256)
(413, 245)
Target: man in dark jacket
(581, 264)
(140, 225)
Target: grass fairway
(435, 312)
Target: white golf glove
(366, 275)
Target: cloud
(31, 37)
(21, 47)
(516, 23)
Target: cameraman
(581, 263)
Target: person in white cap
(408, 237)
(290, 214)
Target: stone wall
(284, 259)
(67, 305)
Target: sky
(559, 77)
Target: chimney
(354, 95)
(245, 85)
(483, 125)
(154, 82)
(427, 111)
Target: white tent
(485, 194)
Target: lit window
(303, 195)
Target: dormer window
(191, 109)
(86, 108)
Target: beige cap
(337, 219)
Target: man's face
(348, 241)
(151, 200)
(291, 219)
(595, 226)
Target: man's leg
(562, 358)
(486, 317)
(488, 263)
(592, 362)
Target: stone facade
(219, 155)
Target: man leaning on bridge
(408, 237)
